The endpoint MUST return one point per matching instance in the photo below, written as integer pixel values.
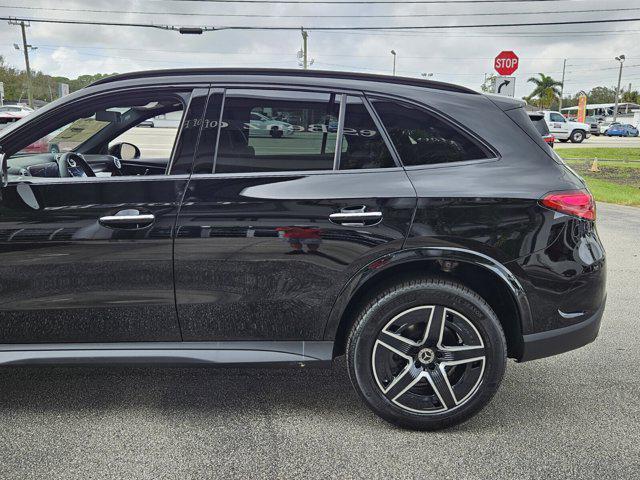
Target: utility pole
(305, 35)
(564, 67)
(25, 49)
(621, 59)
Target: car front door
(558, 125)
(89, 259)
(268, 238)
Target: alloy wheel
(429, 359)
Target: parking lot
(573, 416)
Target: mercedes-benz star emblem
(426, 356)
(71, 162)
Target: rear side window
(362, 143)
(540, 124)
(277, 130)
(421, 138)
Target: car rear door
(271, 228)
(90, 259)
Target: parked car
(565, 130)
(147, 123)
(594, 125)
(13, 113)
(430, 239)
(264, 126)
(604, 126)
(622, 130)
(16, 109)
(537, 118)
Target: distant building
(605, 110)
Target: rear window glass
(540, 124)
(421, 138)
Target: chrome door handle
(356, 219)
(125, 220)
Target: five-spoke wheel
(428, 359)
(427, 353)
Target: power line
(184, 29)
(370, 2)
(212, 52)
(258, 15)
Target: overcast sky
(460, 56)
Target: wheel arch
(486, 276)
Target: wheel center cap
(426, 356)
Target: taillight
(577, 202)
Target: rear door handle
(356, 219)
(129, 219)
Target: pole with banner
(582, 107)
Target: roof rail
(289, 72)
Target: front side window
(556, 117)
(121, 136)
(276, 130)
(421, 138)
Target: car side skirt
(261, 353)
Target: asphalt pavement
(603, 141)
(574, 416)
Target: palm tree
(547, 89)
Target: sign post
(505, 63)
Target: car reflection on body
(263, 126)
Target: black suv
(286, 217)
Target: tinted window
(423, 139)
(277, 130)
(540, 124)
(362, 143)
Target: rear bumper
(560, 340)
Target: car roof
(204, 72)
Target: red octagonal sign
(506, 63)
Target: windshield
(66, 138)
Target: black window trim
(492, 153)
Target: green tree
(602, 95)
(546, 90)
(632, 96)
(488, 84)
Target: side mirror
(124, 151)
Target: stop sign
(506, 63)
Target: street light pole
(393, 52)
(621, 59)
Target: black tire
(275, 132)
(577, 136)
(418, 296)
(563, 140)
